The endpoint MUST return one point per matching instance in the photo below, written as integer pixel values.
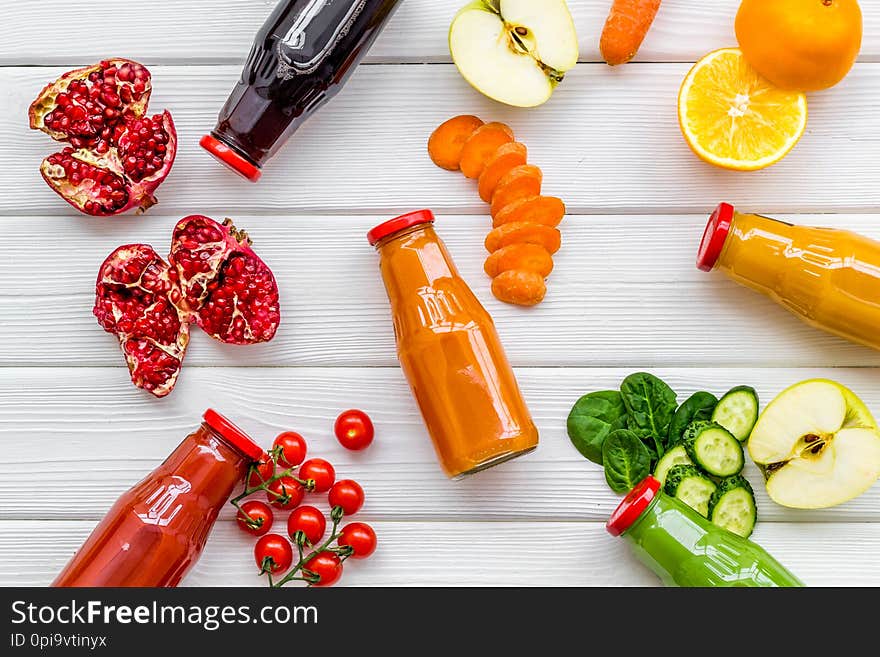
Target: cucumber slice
(688, 484)
(738, 411)
(675, 456)
(714, 448)
(732, 506)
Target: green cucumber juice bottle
(684, 549)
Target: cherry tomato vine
(315, 562)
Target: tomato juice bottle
(156, 531)
(301, 57)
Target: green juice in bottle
(684, 549)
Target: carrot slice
(480, 146)
(446, 142)
(530, 257)
(547, 210)
(509, 155)
(626, 27)
(520, 287)
(519, 182)
(523, 232)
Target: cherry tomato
(319, 470)
(327, 566)
(264, 471)
(293, 449)
(360, 537)
(348, 494)
(308, 520)
(354, 429)
(255, 517)
(285, 493)
(273, 553)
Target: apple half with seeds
(514, 51)
(817, 444)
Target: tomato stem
(300, 566)
(308, 484)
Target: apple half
(514, 51)
(817, 444)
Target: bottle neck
(210, 465)
(413, 259)
(425, 230)
(666, 535)
(770, 256)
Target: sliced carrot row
(524, 235)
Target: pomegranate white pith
(214, 279)
(118, 155)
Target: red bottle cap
(632, 506)
(399, 223)
(223, 153)
(233, 435)
(714, 236)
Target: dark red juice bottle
(301, 57)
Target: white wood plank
(81, 436)
(179, 33)
(608, 141)
(469, 553)
(625, 292)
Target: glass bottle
(684, 549)
(450, 351)
(301, 57)
(155, 532)
(830, 278)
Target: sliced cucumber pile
(732, 506)
(675, 456)
(738, 411)
(690, 485)
(714, 449)
(710, 480)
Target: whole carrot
(627, 24)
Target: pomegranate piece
(135, 299)
(101, 111)
(88, 183)
(87, 103)
(232, 292)
(214, 280)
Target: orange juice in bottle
(830, 278)
(450, 352)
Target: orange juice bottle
(450, 352)
(830, 278)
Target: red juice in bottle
(156, 531)
(301, 57)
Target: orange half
(734, 118)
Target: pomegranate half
(214, 280)
(117, 155)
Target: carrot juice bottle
(830, 278)
(450, 352)
(156, 531)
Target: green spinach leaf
(699, 406)
(627, 460)
(592, 418)
(650, 405)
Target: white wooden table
(625, 295)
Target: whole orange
(804, 45)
